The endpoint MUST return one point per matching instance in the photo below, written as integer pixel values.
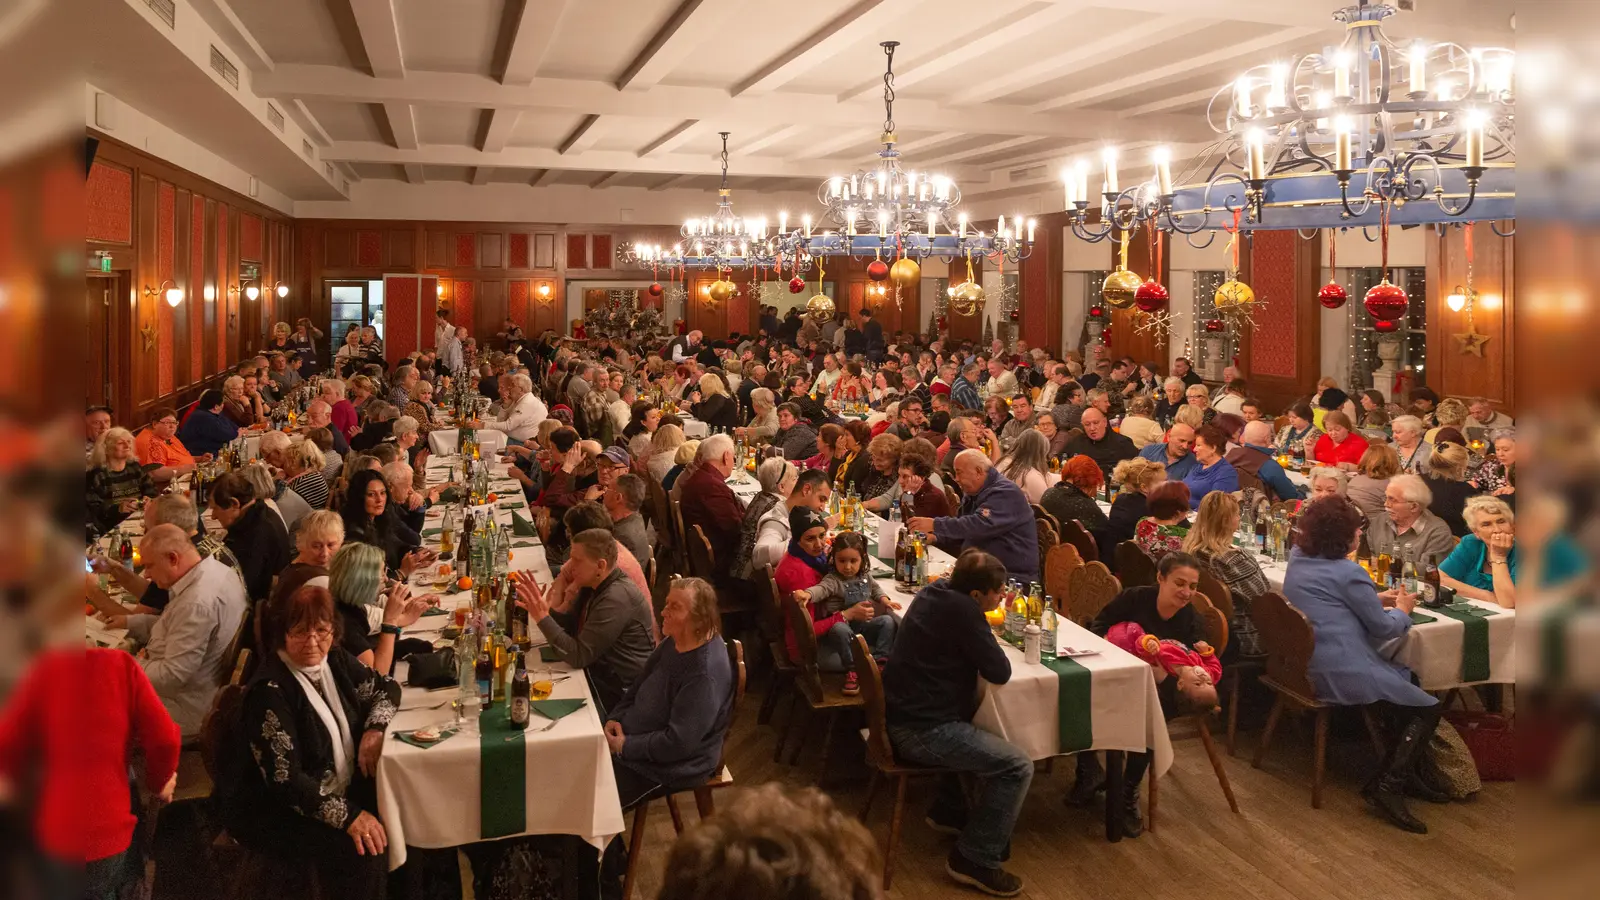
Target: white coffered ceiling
(607, 93)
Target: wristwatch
(386, 628)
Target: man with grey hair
(1406, 522)
(185, 648)
(1228, 374)
(995, 517)
(167, 509)
(622, 501)
(410, 503)
(1255, 455)
(524, 411)
(708, 502)
(605, 629)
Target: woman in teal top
(1484, 565)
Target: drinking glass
(468, 709)
(542, 683)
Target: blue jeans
(834, 653)
(1003, 772)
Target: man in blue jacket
(1175, 453)
(995, 517)
(943, 648)
(1255, 455)
(207, 430)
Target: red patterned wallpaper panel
(461, 313)
(1272, 269)
(109, 205)
(401, 307)
(224, 280)
(467, 250)
(166, 239)
(519, 251)
(577, 251)
(195, 301)
(250, 238)
(602, 252)
(369, 248)
(517, 301)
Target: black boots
(1398, 777)
(1132, 818)
(1090, 780)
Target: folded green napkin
(444, 735)
(435, 611)
(511, 504)
(549, 654)
(515, 544)
(556, 709)
(449, 495)
(521, 527)
(1419, 618)
(432, 532)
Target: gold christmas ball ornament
(721, 291)
(905, 272)
(968, 298)
(1120, 287)
(1234, 293)
(820, 307)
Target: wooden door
(99, 294)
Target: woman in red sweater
(1339, 446)
(82, 813)
(803, 567)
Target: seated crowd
(971, 446)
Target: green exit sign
(105, 263)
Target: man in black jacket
(872, 331)
(944, 646)
(1100, 443)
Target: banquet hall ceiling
(610, 93)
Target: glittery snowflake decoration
(1163, 322)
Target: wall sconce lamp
(1457, 301)
(252, 292)
(544, 291)
(281, 289)
(172, 293)
(438, 290)
(210, 293)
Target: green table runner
(1475, 641)
(1075, 715)
(1418, 618)
(503, 775)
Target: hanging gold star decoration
(1470, 341)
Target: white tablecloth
(444, 441)
(430, 797)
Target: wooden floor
(1277, 847)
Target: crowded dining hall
(549, 450)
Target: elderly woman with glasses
(1488, 566)
(117, 484)
(315, 720)
(1409, 447)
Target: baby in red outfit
(1196, 670)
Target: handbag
(1491, 739)
(433, 670)
(1452, 762)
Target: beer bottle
(484, 674)
(901, 542)
(520, 689)
(1261, 535)
(502, 659)
(125, 549)
(1430, 577)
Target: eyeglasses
(324, 634)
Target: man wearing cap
(613, 461)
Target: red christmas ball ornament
(1214, 325)
(1151, 297)
(1096, 312)
(944, 322)
(1385, 326)
(797, 284)
(1386, 302)
(655, 289)
(1015, 315)
(877, 270)
(1332, 295)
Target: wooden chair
(1059, 565)
(703, 564)
(1279, 423)
(951, 497)
(1048, 539)
(702, 794)
(1073, 532)
(1135, 568)
(1288, 639)
(1092, 587)
(880, 755)
(1243, 667)
(1043, 516)
(783, 670)
(822, 693)
(680, 542)
(660, 515)
(1217, 637)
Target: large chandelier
(1331, 139)
(721, 241)
(889, 210)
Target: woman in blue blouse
(1484, 565)
(1349, 620)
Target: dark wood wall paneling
(1281, 357)
(1455, 373)
(487, 271)
(162, 223)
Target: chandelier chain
(888, 87)
(724, 135)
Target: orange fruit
(444, 568)
(464, 583)
(493, 497)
